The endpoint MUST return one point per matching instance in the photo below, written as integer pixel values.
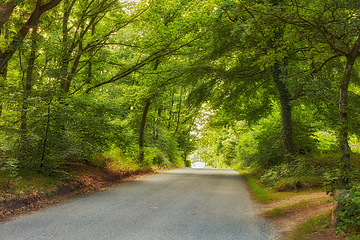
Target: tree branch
(314, 71)
(19, 38)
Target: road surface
(183, 204)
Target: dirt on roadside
(317, 203)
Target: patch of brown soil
(90, 179)
(288, 222)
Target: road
(183, 204)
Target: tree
(331, 25)
(39, 10)
(253, 39)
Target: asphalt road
(183, 204)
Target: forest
(270, 86)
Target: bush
(9, 169)
(298, 174)
(349, 215)
(187, 163)
(269, 148)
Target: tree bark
(4, 75)
(284, 96)
(171, 107)
(179, 114)
(47, 129)
(27, 86)
(344, 119)
(142, 130)
(343, 113)
(286, 113)
(65, 59)
(143, 121)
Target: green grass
(260, 193)
(313, 225)
(264, 195)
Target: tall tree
(331, 25)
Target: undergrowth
(263, 194)
(299, 174)
(27, 182)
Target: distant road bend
(184, 204)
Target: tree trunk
(285, 108)
(143, 121)
(171, 107)
(343, 115)
(27, 86)
(157, 121)
(47, 129)
(65, 58)
(179, 114)
(4, 75)
(142, 130)
(284, 95)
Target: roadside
(290, 213)
(286, 210)
(300, 214)
(87, 179)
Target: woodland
(271, 86)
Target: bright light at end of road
(198, 165)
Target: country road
(182, 204)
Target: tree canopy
(242, 82)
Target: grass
(302, 205)
(316, 226)
(264, 195)
(313, 225)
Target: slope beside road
(180, 204)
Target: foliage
(116, 158)
(62, 98)
(349, 215)
(10, 170)
(300, 173)
(258, 145)
(141, 83)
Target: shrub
(10, 169)
(299, 173)
(187, 163)
(349, 215)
